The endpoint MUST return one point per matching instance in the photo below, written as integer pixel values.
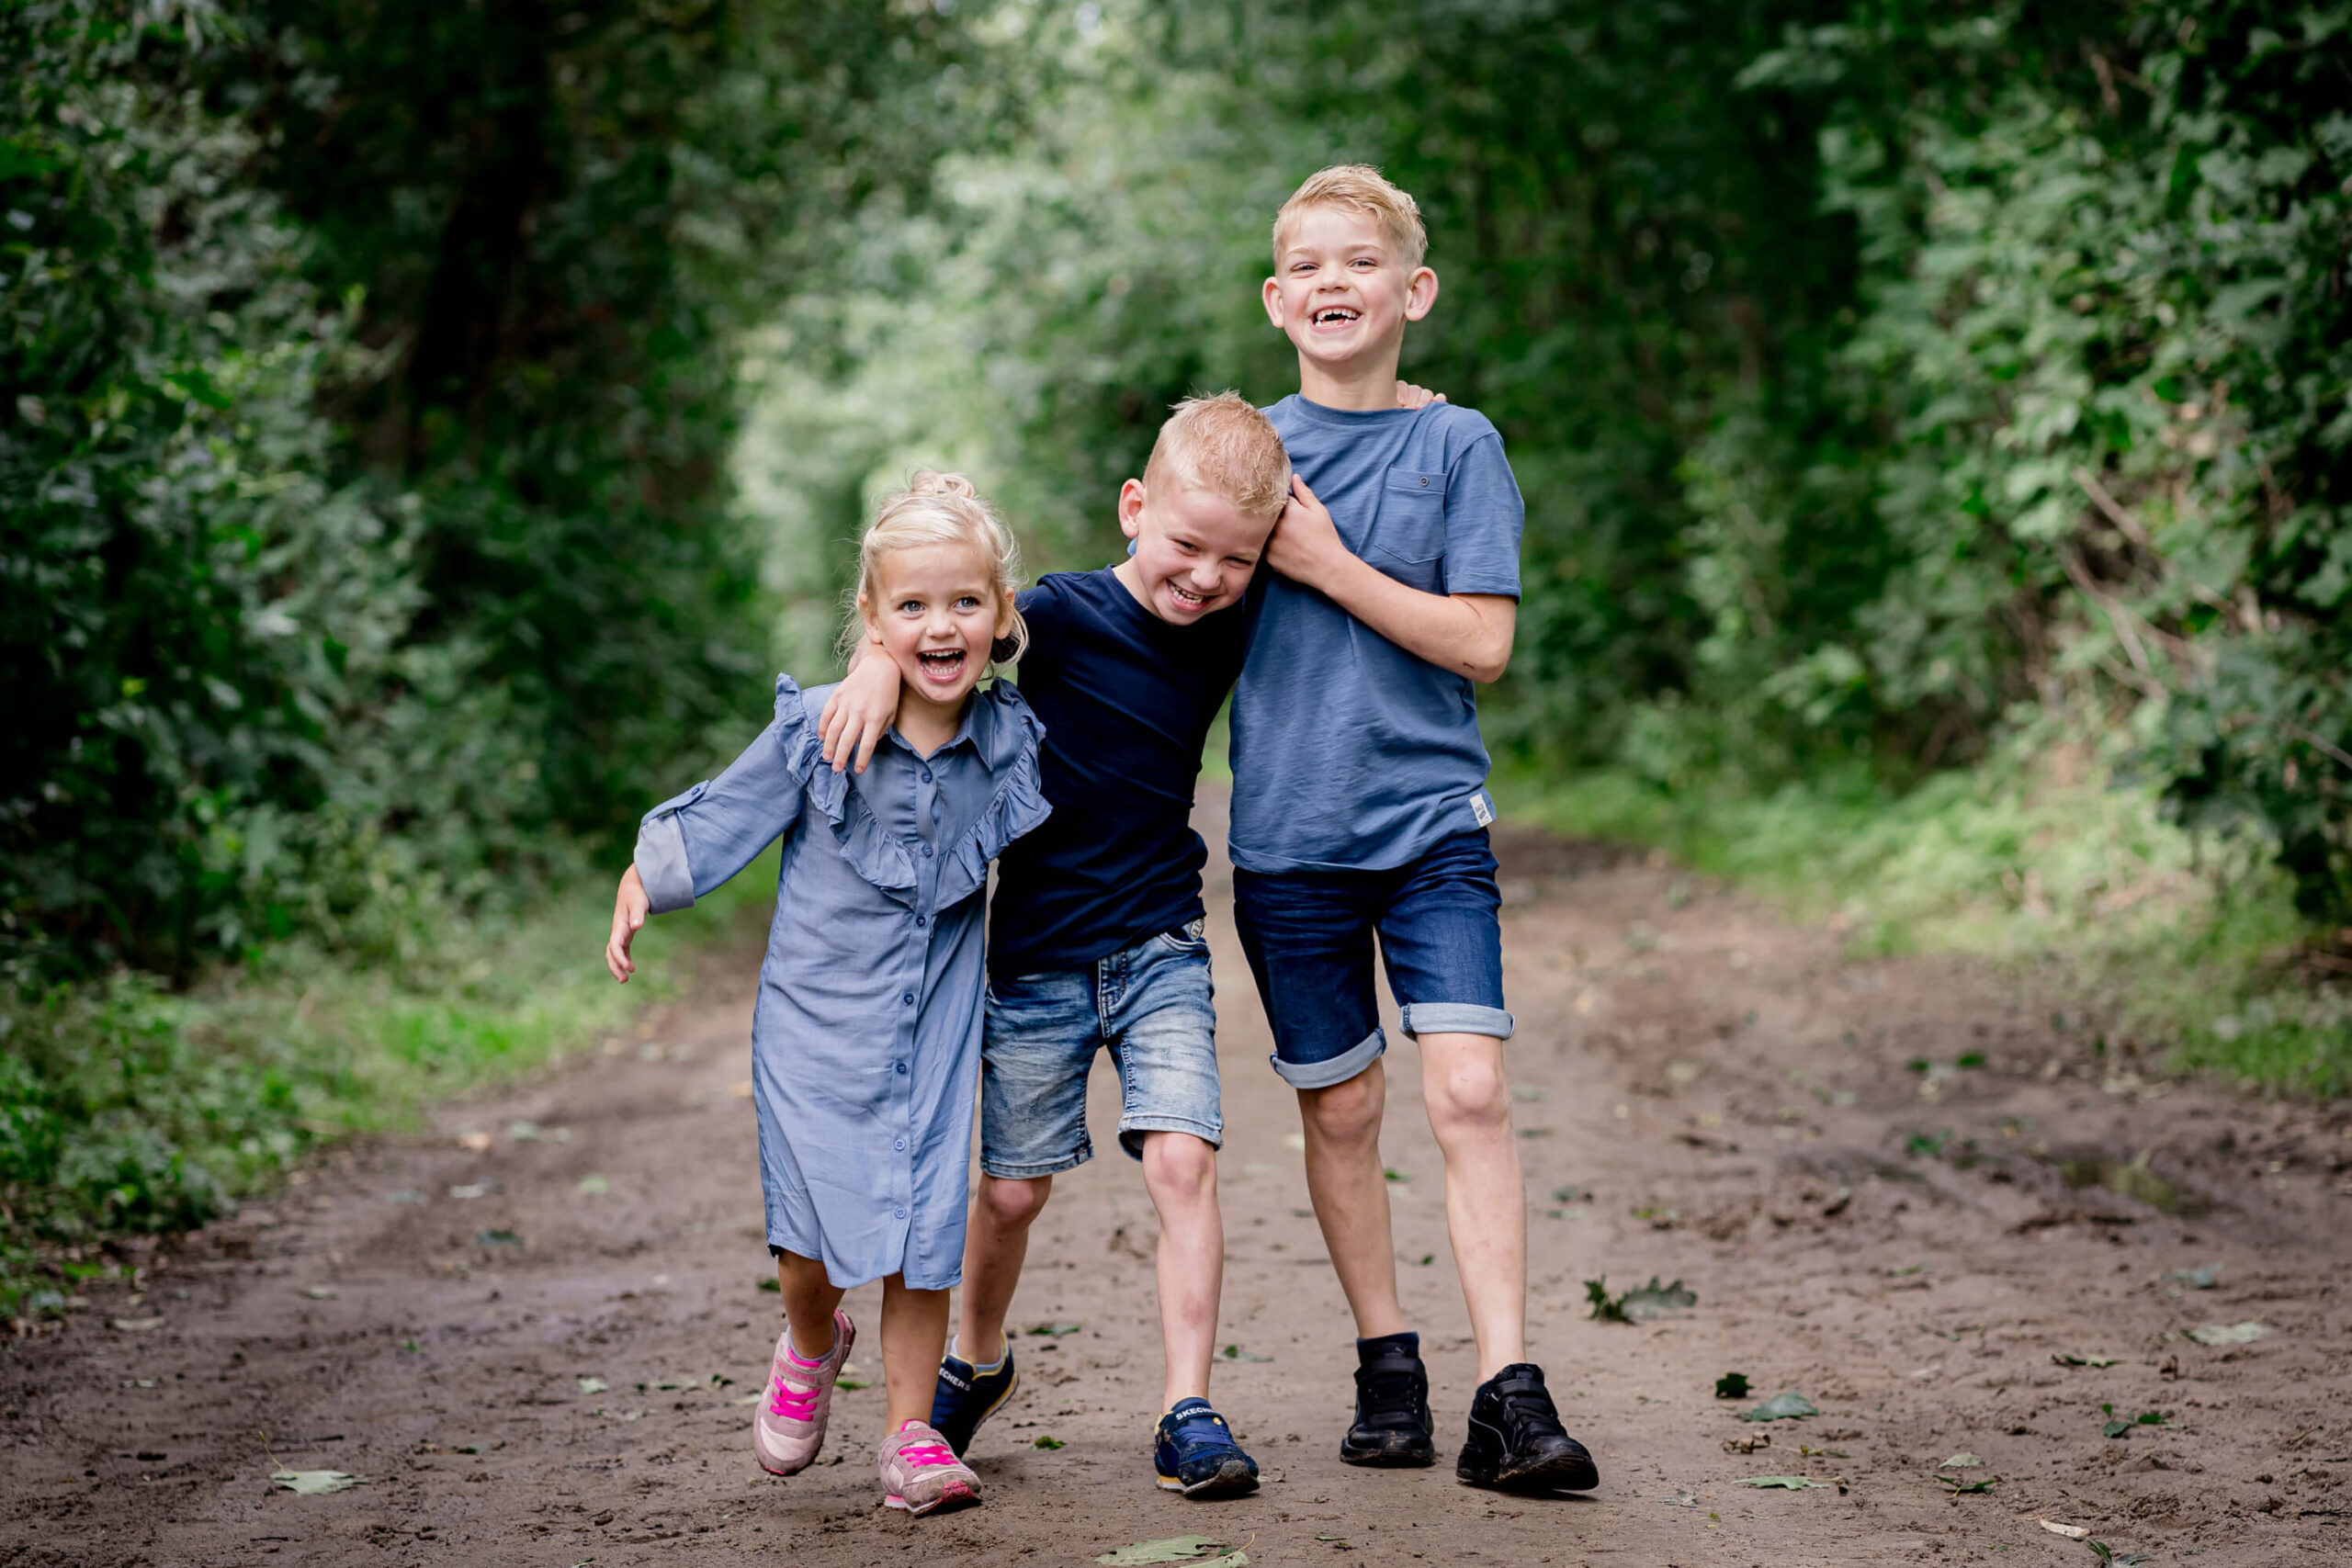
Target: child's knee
(1347, 1113)
(1179, 1166)
(1012, 1203)
(1470, 1095)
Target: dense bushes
(369, 383)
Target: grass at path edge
(2189, 947)
(126, 1108)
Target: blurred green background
(428, 425)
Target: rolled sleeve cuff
(1457, 1018)
(661, 866)
(1336, 1069)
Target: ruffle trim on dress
(1018, 806)
(878, 856)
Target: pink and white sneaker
(791, 1426)
(921, 1474)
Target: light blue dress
(865, 1042)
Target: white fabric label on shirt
(1481, 808)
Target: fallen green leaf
(2068, 1359)
(2193, 1279)
(1787, 1482)
(1235, 1353)
(1732, 1386)
(1173, 1548)
(1393, 1174)
(2231, 1332)
(770, 1282)
(497, 1238)
(1052, 1330)
(1571, 1193)
(852, 1384)
(1048, 1443)
(593, 1185)
(1958, 1486)
(1963, 1461)
(1682, 1499)
(1787, 1406)
(593, 1385)
(315, 1482)
(1639, 1304)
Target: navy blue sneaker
(1194, 1453)
(966, 1396)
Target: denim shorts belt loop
(1309, 936)
(1150, 1005)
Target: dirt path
(1733, 1105)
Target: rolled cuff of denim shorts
(1030, 1170)
(1335, 1070)
(1456, 1018)
(1132, 1130)
(661, 866)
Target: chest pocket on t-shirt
(1408, 535)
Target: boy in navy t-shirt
(1094, 932)
(1360, 809)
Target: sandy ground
(542, 1351)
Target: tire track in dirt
(1732, 1103)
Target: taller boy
(1360, 809)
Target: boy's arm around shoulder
(860, 709)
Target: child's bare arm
(1470, 634)
(629, 906)
(860, 709)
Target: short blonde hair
(1221, 444)
(1360, 188)
(937, 509)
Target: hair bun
(931, 482)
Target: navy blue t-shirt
(1127, 700)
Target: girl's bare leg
(914, 1336)
(808, 1301)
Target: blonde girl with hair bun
(935, 509)
(865, 1041)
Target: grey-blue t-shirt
(1349, 753)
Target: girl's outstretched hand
(860, 709)
(629, 906)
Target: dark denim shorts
(1309, 936)
(1150, 1005)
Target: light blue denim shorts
(1150, 1006)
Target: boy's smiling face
(1340, 292)
(1194, 550)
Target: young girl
(866, 1037)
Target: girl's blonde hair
(937, 509)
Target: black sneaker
(1392, 1429)
(966, 1396)
(1516, 1440)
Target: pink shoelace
(925, 1456)
(793, 1404)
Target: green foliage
(364, 523)
(2104, 351)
